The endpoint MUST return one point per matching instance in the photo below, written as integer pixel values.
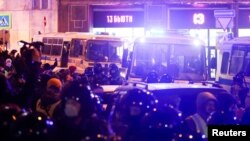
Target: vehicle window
(46, 49)
(224, 63)
(56, 50)
(236, 61)
(247, 64)
(76, 48)
(53, 46)
(177, 60)
(184, 98)
(104, 50)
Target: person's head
(161, 124)
(8, 62)
(78, 101)
(114, 70)
(88, 71)
(226, 102)
(97, 68)
(130, 108)
(205, 104)
(46, 66)
(152, 77)
(54, 83)
(53, 89)
(166, 79)
(226, 110)
(136, 103)
(72, 69)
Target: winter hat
(72, 69)
(54, 82)
(203, 98)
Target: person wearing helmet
(88, 74)
(79, 116)
(114, 75)
(166, 79)
(196, 124)
(99, 78)
(239, 88)
(161, 124)
(226, 111)
(152, 77)
(129, 109)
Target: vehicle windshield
(104, 51)
(182, 62)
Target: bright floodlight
(197, 43)
(142, 40)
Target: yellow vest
(49, 112)
(201, 125)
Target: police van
(233, 61)
(181, 56)
(81, 49)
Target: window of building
(45, 4)
(36, 4)
(40, 4)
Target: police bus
(233, 62)
(180, 56)
(81, 49)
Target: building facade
(21, 19)
(129, 18)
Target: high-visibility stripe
(201, 126)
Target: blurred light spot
(39, 118)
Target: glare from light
(20, 44)
(142, 40)
(156, 101)
(49, 122)
(39, 118)
(190, 136)
(203, 136)
(153, 61)
(197, 43)
(179, 114)
(155, 31)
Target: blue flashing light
(49, 122)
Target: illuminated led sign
(191, 18)
(118, 19)
(198, 18)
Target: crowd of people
(39, 104)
